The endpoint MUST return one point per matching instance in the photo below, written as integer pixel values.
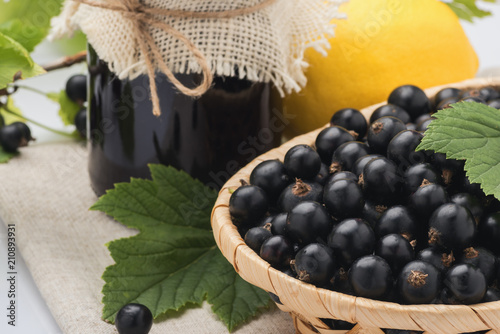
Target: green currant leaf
(68, 109)
(35, 16)
(468, 9)
(469, 131)
(6, 156)
(26, 35)
(174, 260)
(15, 62)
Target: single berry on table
(134, 319)
(14, 136)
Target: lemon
(381, 45)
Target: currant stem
(62, 133)
(31, 89)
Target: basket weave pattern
(307, 303)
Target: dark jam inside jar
(210, 137)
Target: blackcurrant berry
(14, 135)
(330, 139)
(360, 164)
(489, 232)
(351, 119)
(278, 224)
(494, 103)
(489, 93)
(422, 127)
(423, 118)
(491, 295)
(399, 220)
(411, 126)
(412, 99)
(351, 239)
(256, 236)
(277, 250)
(450, 168)
(437, 257)
(470, 202)
(298, 192)
(308, 222)
(446, 103)
(340, 282)
(380, 181)
(346, 155)
(323, 175)
(302, 161)
(426, 199)
(452, 226)
(476, 99)
(466, 282)
(248, 205)
(76, 88)
(343, 175)
(472, 93)
(271, 176)
(446, 93)
(382, 131)
(372, 212)
(472, 188)
(396, 250)
(370, 277)
(415, 175)
(419, 282)
(343, 198)
(134, 319)
(482, 259)
(401, 149)
(315, 264)
(390, 110)
(81, 122)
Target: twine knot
(142, 17)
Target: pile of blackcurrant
(362, 213)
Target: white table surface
(33, 316)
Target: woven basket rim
(237, 252)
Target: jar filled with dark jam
(210, 137)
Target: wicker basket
(307, 303)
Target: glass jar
(210, 137)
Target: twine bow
(142, 17)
